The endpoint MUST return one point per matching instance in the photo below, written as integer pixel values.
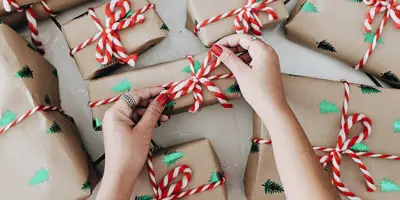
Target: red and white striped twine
(180, 88)
(390, 9)
(165, 191)
(246, 19)
(343, 146)
(29, 113)
(109, 43)
(32, 22)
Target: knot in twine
(167, 191)
(247, 17)
(343, 147)
(390, 9)
(118, 17)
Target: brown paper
(135, 39)
(304, 96)
(19, 2)
(155, 75)
(345, 32)
(32, 145)
(199, 10)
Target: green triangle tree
(97, 124)
(215, 177)
(396, 126)
(254, 148)
(164, 27)
(326, 107)
(355, 1)
(86, 184)
(170, 106)
(366, 89)
(234, 88)
(123, 86)
(360, 147)
(39, 177)
(172, 157)
(55, 128)
(55, 73)
(390, 77)
(271, 187)
(25, 72)
(47, 100)
(326, 46)
(309, 7)
(369, 38)
(196, 66)
(6, 118)
(144, 197)
(389, 186)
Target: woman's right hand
(257, 69)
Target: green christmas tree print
(389, 186)
(195, 22)
(47, 100)
(123, 86)
(355, 1)
(196, 66)
(128, 14)
(326, 46)
(97, 124)
(55, 73)
(40, 176)
(215, 177)
(172, 157)
(390, 77)
(86, 184)
(369, 38)
(271, 187)
(234, 88)
(54, 128)
(6, 118)
(326, 107)
(25, 72)
(360, 147)
(170, 106)
(254, 148)
(144, 197)
(366, 89)
(396, 126)
(309, 7)
(164, 27)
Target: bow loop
(165, 190)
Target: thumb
(153, 112)
(231, 60)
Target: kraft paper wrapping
(135, 39)
(3, 12)
(199, 10)
(107, 87)
(42, 156)
(18, 19)
(344, 31)
(304, 96)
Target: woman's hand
(127, 134)
(257, 69)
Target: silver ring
(128, 98)
(252, 39)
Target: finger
(231, 60)
(245, 41)
(153, 112)
(164, 118)
(245, 57)
(237, 49)
(144, 103)
(139, 112)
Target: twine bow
(165, 191)
(343, 147)
(109, 44)
(247, 17)
(390, 9)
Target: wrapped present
(40, 149)
(114, 33)
(211, 20)
(364, 35)
(190, 83)
(353, 141)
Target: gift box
(317, 105)
(216, 85)
(211, 20)
(40, 149)
(132, 29)
(349, 35)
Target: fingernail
(217, 50)
(162, 99)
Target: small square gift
(190, 83)
(212, 20)
(115, 32)
(41, 154)
(363, 34)
(363, 161)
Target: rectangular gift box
(199, 10)
(317, 105)
(135, 40)
(315, 24)
(112, 86)
(42, 156)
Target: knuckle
(155, 110)
(229, 57)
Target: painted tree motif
(196, 66)
(123, 86)
(55, 128)
(234, 88)
(25, 72)
(172, 157)
(164, 27)
(366, 89)
(390, 77)
(355, 1)
(326, 107)
(170, 106)
(396, 126)
(40, 176)
(369, 38)
(97, 124)
(309, 7)
(271, 187)
(47, 100)
(326, 46)
(55, 73)
(360, 147)
(144, 197)
(254, 148)
(215, 177)
(389, 186)
(86, 184)
(7, 117)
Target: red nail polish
(217, 50)
(162, 99)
